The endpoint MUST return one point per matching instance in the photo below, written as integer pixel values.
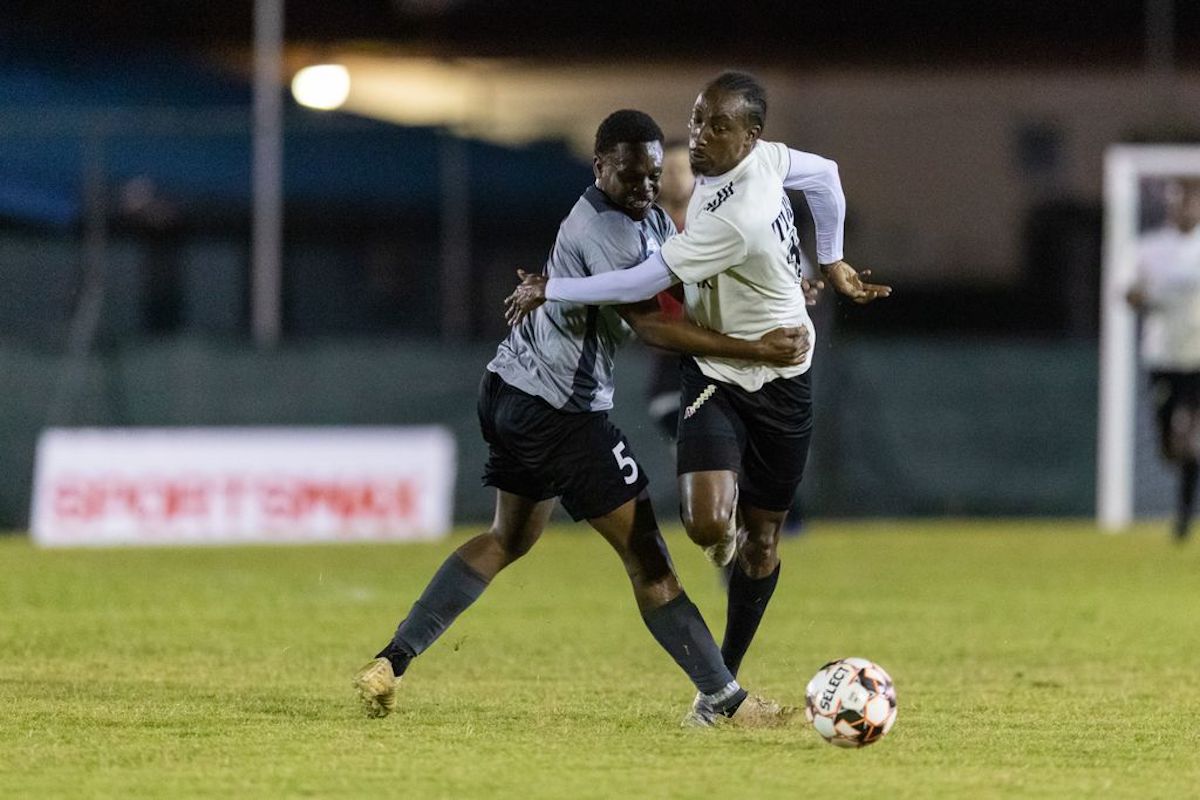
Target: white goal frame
(1124, 168)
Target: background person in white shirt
(1167, 294)
(744, 430)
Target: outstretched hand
(529, 294)
(848, 281)
(784, 347)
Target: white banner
(220, 485)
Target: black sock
(1187, 494)
(453, 588)
(400, 659)
(748, 599)
(681, 631)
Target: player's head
(628, 160)
(1183, 203)
(727, 120)
(678, 181)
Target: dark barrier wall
(939, 427)
(903, 427)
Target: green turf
(1031, 659)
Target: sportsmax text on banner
(165, 486)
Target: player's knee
(759, 556)
(510, 545)
(706, 526)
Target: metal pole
(267, 223)
(1118, 370)
(455, 284)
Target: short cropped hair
(750, 89)
(627, 126)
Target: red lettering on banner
(156, 503)
(68, 501)
(153, 499)
(347, 501)
(406, 498)
(234, 491)
(277, 501)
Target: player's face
(720, 134)
(630, 174)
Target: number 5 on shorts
(624, 461)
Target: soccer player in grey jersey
(542, 410)
(744, 433)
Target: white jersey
(739, 259)
(1169, 269)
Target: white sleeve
(818, 178)
(708, 246)
(639, 282)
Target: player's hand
(784, 347)
(1136, 297)
(529, 294)
(848, 281)
(812, 290)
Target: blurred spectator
(674, 193)
(1167, 293)
(157, 221)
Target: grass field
(1032, 659)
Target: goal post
(1125, 168)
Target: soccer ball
(851, 702)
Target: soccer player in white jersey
(744, 430)
(543, 410)
(1168, 295)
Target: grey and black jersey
(563, 352)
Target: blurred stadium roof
(180, 123)
(1061, 32)
(63, 55)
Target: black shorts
(539, 452)
(1173, 391)
(763, 436)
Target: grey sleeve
(606, 247)
(663, 225)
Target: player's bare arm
(782, 347)
(848, 281)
